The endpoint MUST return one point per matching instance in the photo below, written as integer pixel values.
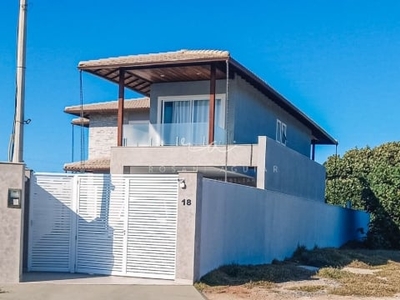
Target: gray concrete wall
(290, 172)
(251, 113)
(11, 223)
(138, 115)
(175, 156)
(189, 229)
(256, 115)
(246, 225)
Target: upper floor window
(184, 119)
(281, 132)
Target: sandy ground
(285, 291)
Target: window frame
(281, 132)
(162, 99)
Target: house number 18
(186, 202)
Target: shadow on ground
(237, 275)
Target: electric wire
(11, 142)
(226, 119)
(82, 122)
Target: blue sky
(336, 60)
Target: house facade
(208, 113)
(166, 210)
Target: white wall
(246, 225)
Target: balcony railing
(173, 134)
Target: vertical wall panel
(100, 225)
(152, 226)
(50, 223)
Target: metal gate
(103, 224)
(50, 223)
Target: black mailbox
(14, 198)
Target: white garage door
(120, 224)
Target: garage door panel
(100, 230)
(152, 226)
(50, 223)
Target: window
(281, 132)
(184, 119)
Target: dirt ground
(287, 291)
(284, 291)
(329, 274)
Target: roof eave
(323, 137)
(90, 65)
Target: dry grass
(308, 288)
(383, 280)
(260, 275)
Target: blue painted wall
(247, 225)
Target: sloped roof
(143, 70)
(110, 106)
(90, 165)
(80, 121)
(144, 59)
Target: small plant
(300, 251)
(200, 286)
(332, 273)
(231, 270)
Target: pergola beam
(211, 119)
(121, 100)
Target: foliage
(370, 178)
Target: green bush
(370, 178)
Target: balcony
(173, 134)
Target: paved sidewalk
(53, 286)
(53, 291)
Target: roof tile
(181, 55)
(110, 106)
(90, 165)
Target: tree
(370, 178)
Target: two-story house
(204, 112)
(160, 213)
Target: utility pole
(20, 107)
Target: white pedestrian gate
(104, 224)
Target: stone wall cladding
(102, 135)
